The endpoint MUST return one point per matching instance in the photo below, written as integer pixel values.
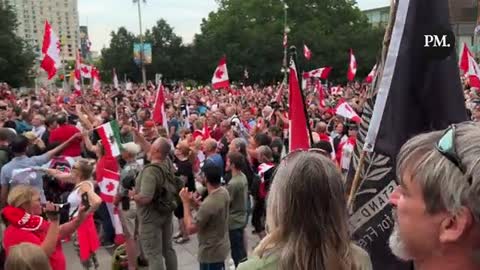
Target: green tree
(250, 33)
(16, 57)
(167, 52)
(119, 56)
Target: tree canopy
(250, 34)
(16, 57)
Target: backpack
(167, 196)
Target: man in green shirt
(238, 190)
(155, 226)
(211, 220)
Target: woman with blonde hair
(27, 256)
(25, 224)
(307, 219)
(85, 239)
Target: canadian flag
(51, 51)
(371, 75)
(345, 110)
(220, 76)
(321, 73)
(336, 91)
(306, 52)
(285, 39)
(352, 67)
(298, 138)
(321, 94)
(109, 185)
(473, 72)
(96, 85)
(77, 75)
(86, 70)
(159, 114)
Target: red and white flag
(220, 76)
(77, 75)
(51, 51)
(96, 85)
(336, 91)
(371, 75)
(345, 110)
(320, 93)
(109, 185)
(473, 72)
(86, 70)
(464, 58)
(159, 113)
(306, 52)
(352, 67)
(298, 138)
(321, 73)
(285, 40)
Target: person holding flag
(85, 239)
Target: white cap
(131, 148)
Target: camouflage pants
(90, 263)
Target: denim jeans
(239, 254)
(212, 266)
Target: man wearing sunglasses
(437, 202)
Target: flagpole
(386, 43)
(293, 56)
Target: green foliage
(119, 56)
(250, 33)
(16, 57)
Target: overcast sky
(184, 16)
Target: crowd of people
(221, 163)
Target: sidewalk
(186, 253)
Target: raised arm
(62, 146)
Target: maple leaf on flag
(219, 73)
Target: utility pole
(142, 61)
(286, 30)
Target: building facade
(378, 16)
(61, 14)
(463, 18)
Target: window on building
(71, 55)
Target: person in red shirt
(24, 224)
(62, 133)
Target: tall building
(463, 18)
(62, 15)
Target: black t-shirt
(185, 168)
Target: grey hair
(266, 152)
(443, 185)
(313, 239)
(241, 144)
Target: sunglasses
(446, 147)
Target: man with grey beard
(437, 204)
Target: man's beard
(397, 245)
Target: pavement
(186, 253)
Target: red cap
(149, 124)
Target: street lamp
(144, 74)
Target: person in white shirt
(38, 125)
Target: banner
(147, 53)
(415, 95)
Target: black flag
(419, 91)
